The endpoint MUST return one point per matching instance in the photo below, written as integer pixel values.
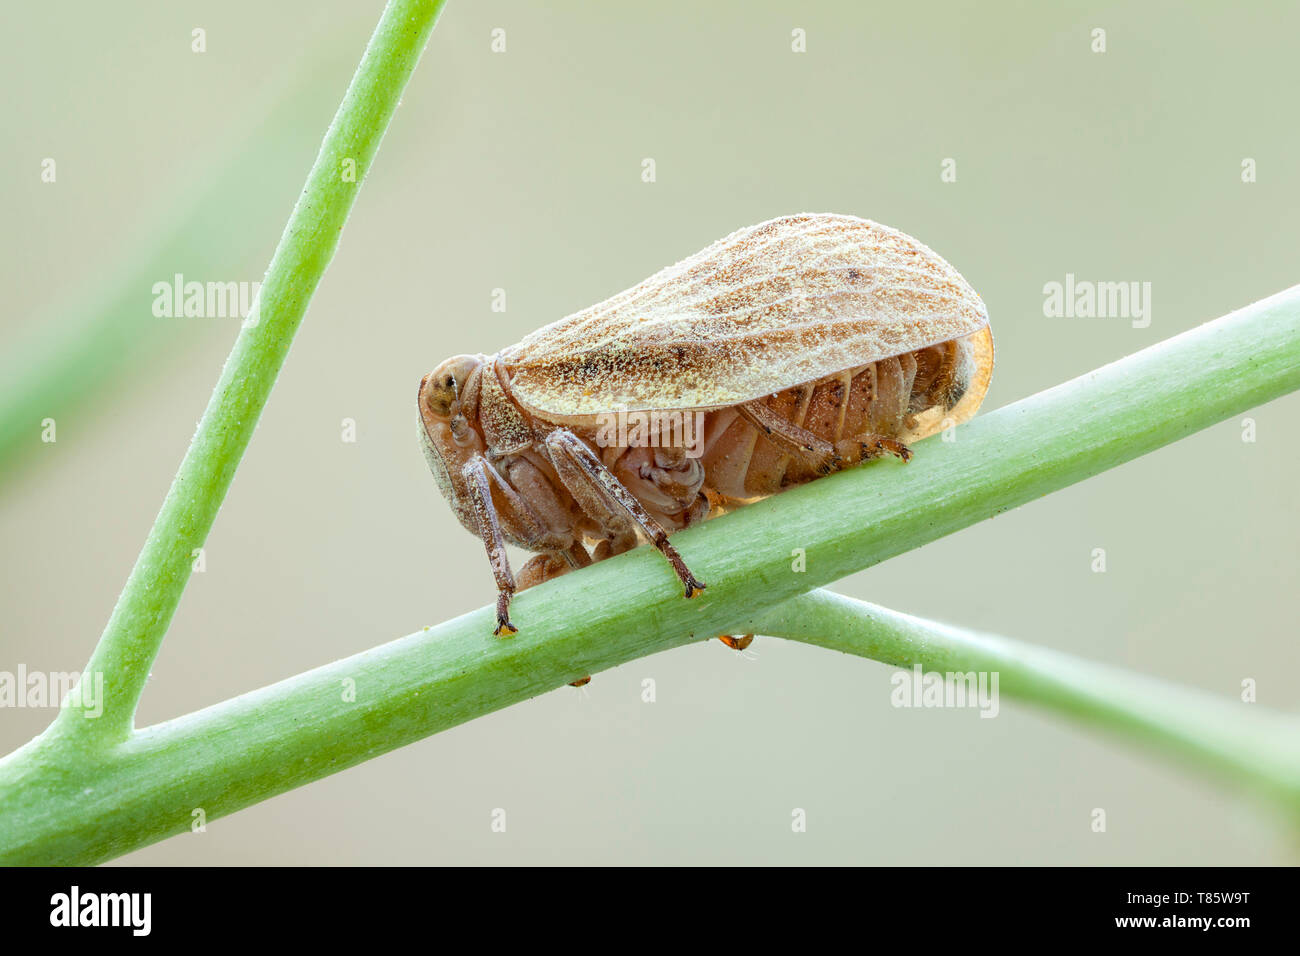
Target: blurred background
(522, 170)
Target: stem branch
(135, 631)
(63, 804)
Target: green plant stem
(139, 622)
(65, 805)
(1242, 742)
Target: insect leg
(551, 564)
(480, 491)
(568, 448)
(786, 435)
(737, 642)
(865, 447)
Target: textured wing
(767, 308)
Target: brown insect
(786, 351)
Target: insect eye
(443, 387)
(437, 393)
(439, 396)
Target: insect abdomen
(876, 399)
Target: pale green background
(522, 171)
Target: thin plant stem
(139, 621)
(65, 803)
(1241, 742)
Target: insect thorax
(506, 428)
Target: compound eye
(442, 388)
(439, 393)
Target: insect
(781, 353)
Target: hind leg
(817, 453)
(599, 492)
(737, 642)
(851, 451)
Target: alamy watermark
(181, 299)
(130, 910)
(652, 429)
(73, 689)
(921, 688)
(1085, 299)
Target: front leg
(489, 524)
(606, 499)
(533, 525)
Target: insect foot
(737, 642)
(705, 387)
(896, 448)
(852, 451)
(504, 628)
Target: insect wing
(764, 309)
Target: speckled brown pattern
(769, 307)
(801, 346)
